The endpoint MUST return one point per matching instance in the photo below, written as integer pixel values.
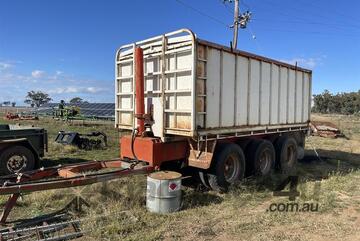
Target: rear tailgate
(169, 70)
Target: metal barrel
(163, 193)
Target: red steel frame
(153, 151)
(139, 89)
(63, 177)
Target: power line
(226, 7)
(306, 11)
(202, 13)
(335, 26)
(246, 5)
(308, 32)
(336, 11)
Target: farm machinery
(66, 112)
(89, 141)
(21, 116)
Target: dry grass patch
(118, 210)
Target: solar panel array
(100, 110)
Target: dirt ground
(117, 210)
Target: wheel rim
(265, 161)
(16, 163)
(290, 155)
(230, 168)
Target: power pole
(236, 24)
(240, 20)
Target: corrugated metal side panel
(254, 92)
(242, 83)
(213, 89)
(299, 97)
(274, 101)
(265, 91)
(242, 92)
(307, 96)
(227, 90)
(283, 95)
(291, 97)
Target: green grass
(118, 210)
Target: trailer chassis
(66, 176)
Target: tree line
(38, 98)
(340, 103)
(8, 103)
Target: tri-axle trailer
(224, 112)
(192, 104)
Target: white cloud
(93, 90)
(76, 89)
(306, 62)
(38, 73)
(64, 90)
(59, 84)
(4, 65)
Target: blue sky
(66, 47)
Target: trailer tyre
(260, 157)
(228, 169)
(16, 159)
(286, 154)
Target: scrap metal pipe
(139, 89)
(66, 176)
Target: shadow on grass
(200, 199)
(310, 168)
(328, 162)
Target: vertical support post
(8, 207)
(163, 86)
(236, 24)
(139, 88)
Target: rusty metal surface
(63, 177)
(165, 175)
(139, 89)
(325, 129)
(9, 206)
(71, 181)
(153, 150)
(201, 154)
(58, 226)
(200, 159)
(12, 116)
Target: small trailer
(21, 148)
(226, 113)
